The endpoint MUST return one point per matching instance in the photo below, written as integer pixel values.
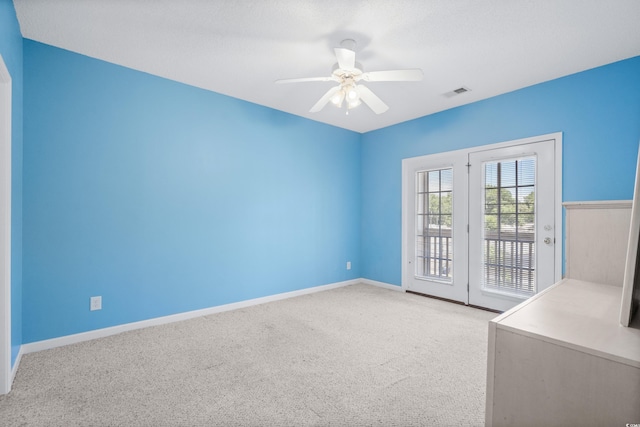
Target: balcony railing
(509, 258)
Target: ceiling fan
(349, 76)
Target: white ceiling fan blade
(413, 75)
(346, 58)
(372, 100)
(308, 79)
(325, 99)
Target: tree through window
(434, 213)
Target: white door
(435, 226)
(480, 225)
(511, 224)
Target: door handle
(547, 240)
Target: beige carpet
(353, 356)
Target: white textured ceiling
(240, 47)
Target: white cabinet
(562, 359)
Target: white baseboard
(14, 370)
(382, 285)
(113, 330)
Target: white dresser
(561, 358)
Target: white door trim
(406, 194)
(5, 228)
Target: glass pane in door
(434, 245)
(509, 226)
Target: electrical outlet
(96, 303)
(348, 265)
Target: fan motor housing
(340, 73)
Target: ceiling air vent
(458, 91)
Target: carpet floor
(353, 356)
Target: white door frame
(557, 136)
(5, 228)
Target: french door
(511, 223)
(480, 226)
(434, 203)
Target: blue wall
(598, 112)
(11, 51)
(165, 198)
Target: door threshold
(485, 309)
(454, 302)
(435, 297)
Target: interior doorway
(482, 226)
(5, 228)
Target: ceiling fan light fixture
(338, 98)
(352, 94)
(354, 104)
